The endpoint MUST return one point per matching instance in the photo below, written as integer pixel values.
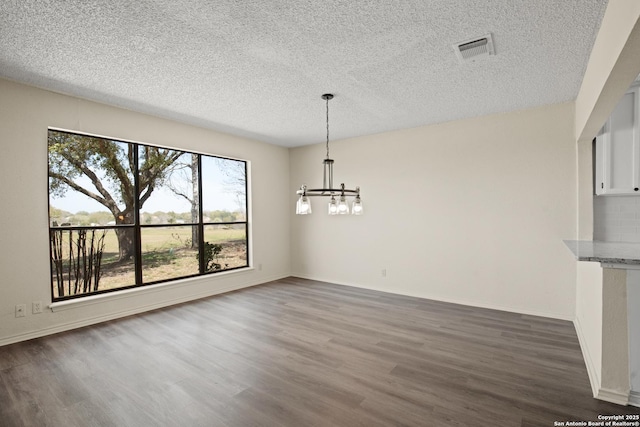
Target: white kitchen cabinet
(617, 149)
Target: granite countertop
(605, 252)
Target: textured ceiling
(257, 68)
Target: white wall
(633, 311)
(25, 114)
(613, 65)
(614, 382)
(589, 319)
(589, 277)
(472, 211)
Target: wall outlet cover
(36, 307)
(21, 310)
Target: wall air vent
(474, 49)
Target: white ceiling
(257, 68)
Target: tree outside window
(125, 214)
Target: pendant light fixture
(338, 204)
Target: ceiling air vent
(474, 49)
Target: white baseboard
(41, 332)
(592, 372)
(607, 395)
(613, 396)
(438, 298)
(634, 398)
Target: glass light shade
(356, 208)
(303, 206)
(343, 207)
(333, 206)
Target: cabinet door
(618, 149)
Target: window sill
(127, 293)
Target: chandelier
(338, 203)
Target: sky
(216, 196)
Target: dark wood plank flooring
(302, 353)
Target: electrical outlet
(384, 272)
(259, 267)
(36, 307)
(21, 310)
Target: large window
(124, 214)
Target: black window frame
(137, 226)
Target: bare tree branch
(108, 203)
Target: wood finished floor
(301, 353)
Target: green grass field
(158, 238)
(167, 254)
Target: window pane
(227, 246)
(168, 252)
(93, 235)
(224, 189)
(90, 180)
(168, 186)
(86, 261)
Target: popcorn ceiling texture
(257, 68)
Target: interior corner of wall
(592, 368)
